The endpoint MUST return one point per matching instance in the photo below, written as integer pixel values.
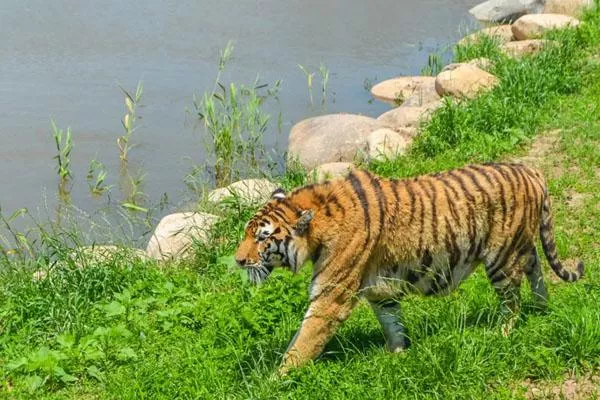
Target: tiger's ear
(279, 193)
(301, 226)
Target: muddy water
(64, 59)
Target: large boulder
(567, 7)
(253, 191)
(499, 33)
(395, 91)
(385, 143)
(175, 234)
(524, 47)
(464, 81)
(535, 25)
(407, 116)
(505, 10)
(330, 138)
(331, 171)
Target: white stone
(464, 81)
(535, 25)
(384, 144)
(331, 171)
(395, 91)
(500, 33)
(251, 191)
(175, 234)
(524, 47)
(408, 117)
(330, 138)
(568, 7)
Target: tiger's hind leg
(389, 316)
(505, 272)
(536, 280)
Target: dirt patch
(572, 388)
(544, 145)
(576, 200)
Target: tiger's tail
(549, 246)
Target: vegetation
(129, 119)
(123, 328)
(235, 125)
(95, 177)
(64, 146)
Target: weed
(235, 125)
(95, 178)
(434, 65)
(64, 146)
(128, 121)
(309, 81)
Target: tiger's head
(276, 236)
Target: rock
(331, 171)
(424, 95)
(175, 234)
(385, 144)
(568, 7)
(252, 191)
(330, 138)
(500, 33)
(464, 81)
(534, 26)
(523, 47)
(505, 10)
(39, 275)
(483, 63)
(395, 91)
(408, 117)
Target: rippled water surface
(64, 59)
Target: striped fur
(381, 239)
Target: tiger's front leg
(329, 307)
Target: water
(64, 60)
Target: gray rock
(573, 8)
(501, 11)
(384, 144)
(331, 171)
(251, 191)
(408, 117)
(534, 26)
(330, 138)
(175, 234)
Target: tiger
(381, 239)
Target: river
(64, 59)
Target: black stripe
(434, 221)
(381, 200)
(334, 200)
(362, 197)
(317, 254)
(411, 195)
(495, 183)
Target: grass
(123, 328)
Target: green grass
(127, 329)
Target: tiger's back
(437, 228)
